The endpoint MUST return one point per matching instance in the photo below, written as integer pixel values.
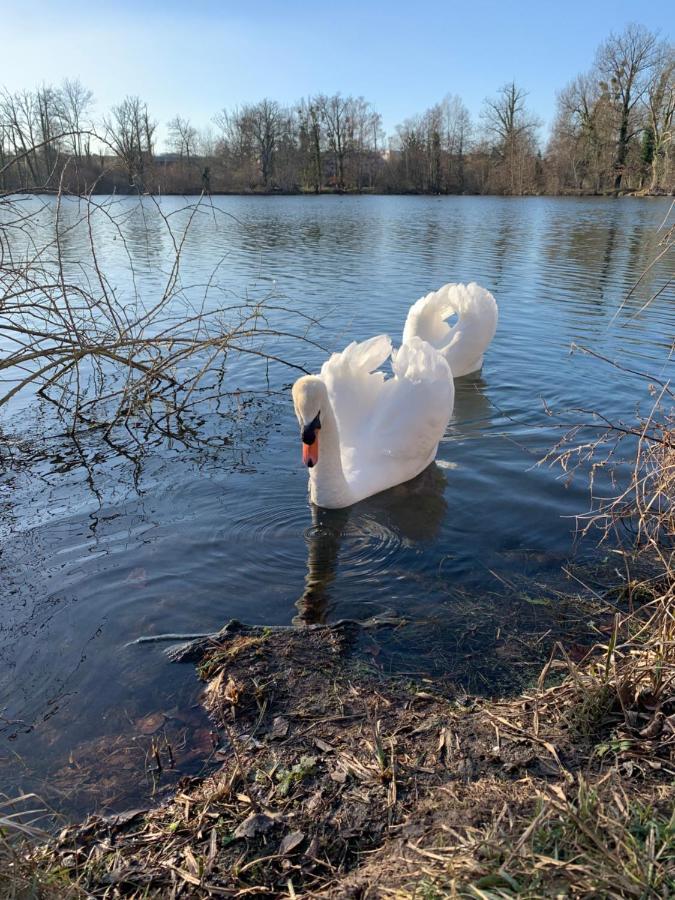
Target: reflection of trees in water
(472, 408)
(608, 255)
(143, 232)
(609, 251)
(503, 247)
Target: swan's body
(463, 344)
(374, 432)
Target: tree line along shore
(612, 134)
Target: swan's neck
(327, 484)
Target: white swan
(463, 344)
(363, 433)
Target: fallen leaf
(150, 724)
(313, 849)
(123, 818)
(314, 803)
(290, 842)
(279, 728)
(256, 823)
(654, 728)
(232, 691)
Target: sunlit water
(473, 553)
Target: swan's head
(309, 397)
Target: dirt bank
(338, 781)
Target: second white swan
(464, 343)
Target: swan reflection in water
(409, 513)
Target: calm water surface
(472, 552)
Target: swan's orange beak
(310, 452)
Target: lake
(478, 554)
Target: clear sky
(194, 58)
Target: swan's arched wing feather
(400, 437)
(416, 405)
(389, 427)
(426, 318)
(354, 386)
(464, 344)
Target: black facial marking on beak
(309, 431)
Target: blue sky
(196, 57)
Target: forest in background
(613, 132)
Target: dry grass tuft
(22, 874)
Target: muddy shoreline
(340, 781)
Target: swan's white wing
(400, 436)
(464, 344)
(354, 386)
(416, 404)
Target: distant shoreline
(606, 195)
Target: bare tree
(456, 130)
(18, 112)
(614, 123)
(48, 128)
(624, 66)
(514, 130)
(206, 142)
(287, 153)
(582, 134)
(265, 121)
(430, 149)
(334, 114)
(5, 152)
(74, 103)
(251, 136)
(364, 127)
(433, 127)
(182, 137)
(660, 113)
(410, 150)
(130, 132)
(613, 129)
(311, 142)
(236, 147)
